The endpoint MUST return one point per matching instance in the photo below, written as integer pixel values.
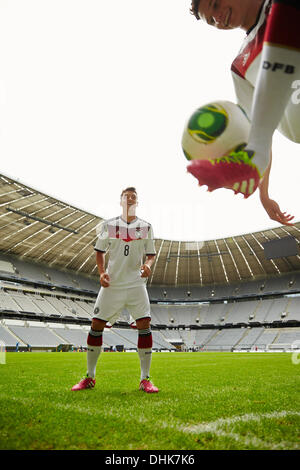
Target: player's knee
(143, 323)
(98, 325)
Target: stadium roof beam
(81, 238)
(17, 234)
(271, 260)
(155, 262)
(34, 234)
(177, 264)
(167, 264)
(252, 252)
(221, 258)
(243, 256)
(205, 255)
(285, 259)
(92, 255)
(289, 233)
(199, 264)
(39, 219)
(13, 221)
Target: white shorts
(111, 301)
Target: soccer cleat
(147, 386)
(86, 382)
(235, 171)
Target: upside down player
(265, 73)
(128, 239)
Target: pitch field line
(212, 427)
(217, 428)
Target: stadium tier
(29, 310)
(47, 336)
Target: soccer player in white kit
(266, 75)
(123, 285)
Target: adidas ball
(215, 130)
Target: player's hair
(194, 8)
(130, 188)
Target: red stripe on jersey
(245, 58)
(283, 26)
(252, 48)
(127, 235)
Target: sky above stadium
(94, 96)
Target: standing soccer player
(129, 240)
(266, 73)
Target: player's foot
(235, 171)
(148, 386)
(86, 382)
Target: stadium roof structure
(37, 227)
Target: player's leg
(280, 67)
(145, 343)
(94, 345)
(107, 307)
(138, 306)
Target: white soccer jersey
(245, 69)
(127, 244)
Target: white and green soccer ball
(214, 130)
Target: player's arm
(150, 254)
(146, 268)
(271, 206)
(104, 277)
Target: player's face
(129, 199)
(224, 14)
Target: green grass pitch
(229, 401)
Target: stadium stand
(35, 334)
(8, 338)
(287, 337)
(202, 337)
(249, 339)
(224, 340)
(293, 309)
(70, 334)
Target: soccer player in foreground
(129, 239)
(266, 73)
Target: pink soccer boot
(147, 386)
(86, 382)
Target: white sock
(145, 355)
(93, 353)
(279, 69)
(271, 97)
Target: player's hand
(274, 212)
(104, 280)
(145, 270)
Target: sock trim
(95, 338)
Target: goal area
(283, 347)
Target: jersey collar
(257, 18)
(128, 223)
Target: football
(214, 130)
